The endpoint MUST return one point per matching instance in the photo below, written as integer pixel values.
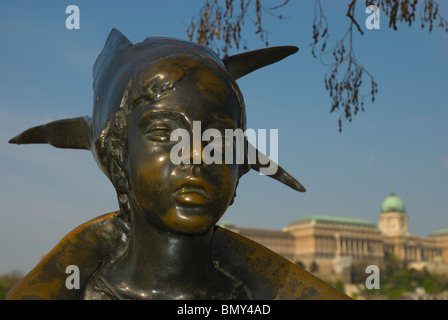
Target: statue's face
(183, 198)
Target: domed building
(397, 240)
(332, 242)
(393, 218)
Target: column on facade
(338, 245)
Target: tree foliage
(397, 278)
(219, 25)
(314, 267)
(7, 281)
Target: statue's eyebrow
(230, 123)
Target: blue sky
(398, 144)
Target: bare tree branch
(219, 25)
(350, 14)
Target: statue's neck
(156, 256)
(182, 252)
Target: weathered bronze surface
(163, 243)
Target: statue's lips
(192, 195)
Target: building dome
(393, 204)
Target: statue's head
(142, 94)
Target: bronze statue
(163, 242)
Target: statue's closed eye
(159, 133)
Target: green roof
(225, 224)
(439, 232)
(338, 220)
(393, 204)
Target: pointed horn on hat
(115, 42)
(72, 133)
(281, 175)
(238, 66)
(241, 64)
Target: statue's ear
(241, 64)
(72, 133)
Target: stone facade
(334, 243)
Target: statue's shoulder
(84, 247)
(266, 274)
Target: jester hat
(120, 61)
